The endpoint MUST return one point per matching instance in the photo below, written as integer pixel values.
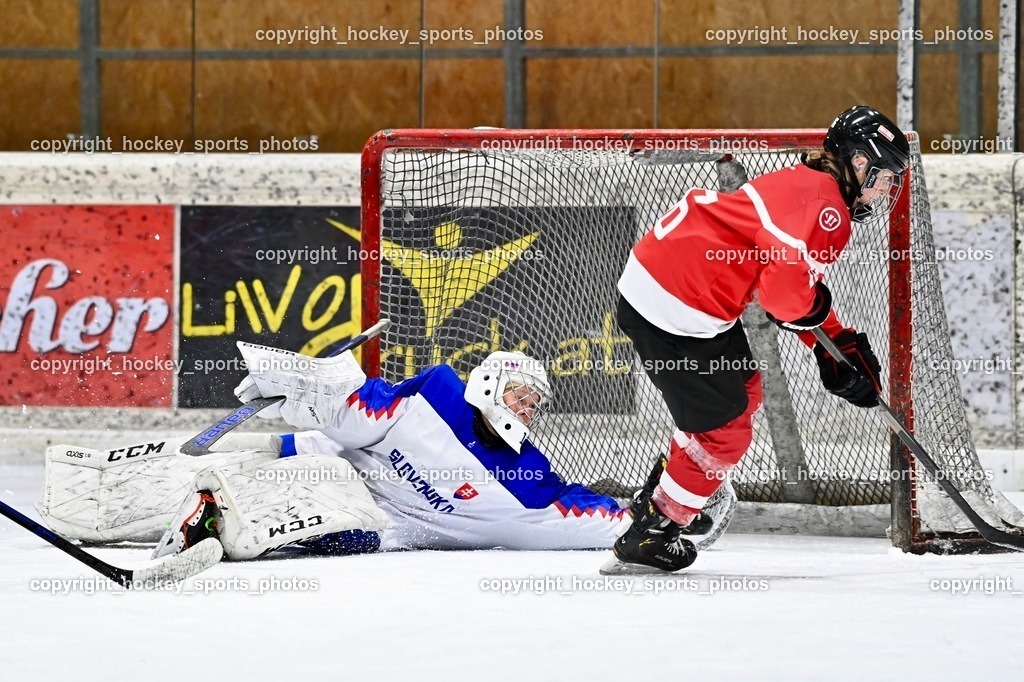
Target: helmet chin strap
(848, 185)
(484, 430)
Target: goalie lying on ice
(426, 463)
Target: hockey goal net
(484, 240)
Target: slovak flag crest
(466, 492)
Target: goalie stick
(201, 443)
(987, 531)
(173, 569)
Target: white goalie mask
(510, 390)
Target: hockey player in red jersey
(686, 284)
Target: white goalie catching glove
(280, 503)
(314, 388)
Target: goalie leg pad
(131, 493)
(288, 501)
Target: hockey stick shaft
(173, 569)
(987, 531)
(118, 575)
(201, 443)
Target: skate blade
(616, 567)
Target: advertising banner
(85, 306)
(459, 283)
(286, 277)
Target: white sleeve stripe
(777, 232)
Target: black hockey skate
(652, 544)
(642, 497)
(701, 525)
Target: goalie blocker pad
(284, 502)
(719, 510)
(314, 388)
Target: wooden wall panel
(39, 23)
(477, 16)
(937, 99)
(590, 93)
(463, 93)
(586, 22)
(686, 22)
(152, 24)
(990, 96)
(39, 102)
(342, 102)
(770, 92)
(938, 14)
(233, 23)
(157, 103)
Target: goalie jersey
(446, 483)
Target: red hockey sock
(699, 462)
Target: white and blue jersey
(444, 486)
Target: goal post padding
(483, 240)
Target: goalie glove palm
(859, 385)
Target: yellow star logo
(445, 282)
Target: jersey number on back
(675, 215)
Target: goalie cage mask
(510, 390)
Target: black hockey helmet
(864, 131)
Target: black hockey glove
(859, 386)
(817, 315)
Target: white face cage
(883, 187)
(523, 400)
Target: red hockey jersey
(696, 270)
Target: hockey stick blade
(986, 530)
(176, 568)
(200, 444)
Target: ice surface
(827, 608)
